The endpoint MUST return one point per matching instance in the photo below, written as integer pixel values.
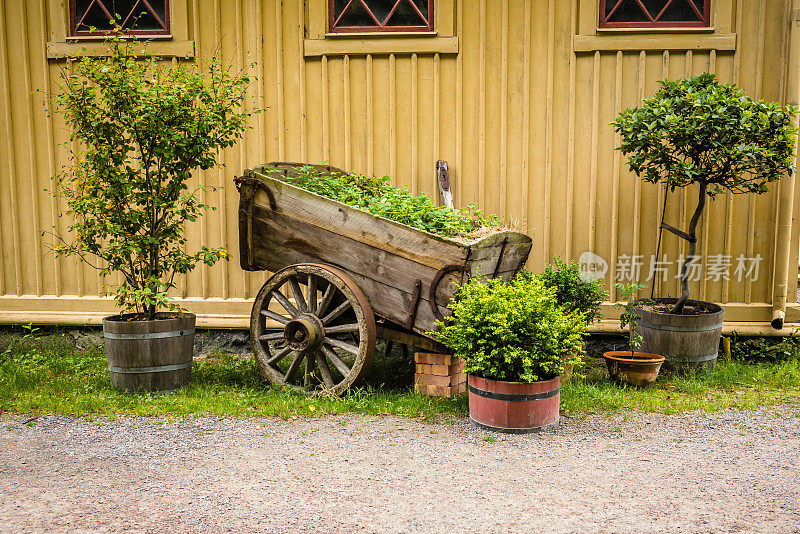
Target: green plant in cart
(377, 196)
(145, 128)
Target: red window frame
(703, 21)
(74, 22)
(380, 26)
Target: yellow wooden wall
(516, 95)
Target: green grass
(47, 375)
(40, 375)
(730, 385)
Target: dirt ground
(726, 472)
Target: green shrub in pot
(573, 291)
(512, 331)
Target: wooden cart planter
(344, 277)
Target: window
(654, 13)
(138, 17)
(356, 16)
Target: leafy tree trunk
(701, 203)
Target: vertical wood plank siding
(521, 116)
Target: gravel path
(731, 471)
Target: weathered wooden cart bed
(338, 268)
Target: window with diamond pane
(380, 15)
(654, 13)
(139, 17)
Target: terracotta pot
(513, 407)
(151, 356)
(639, 369)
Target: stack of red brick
(440, 375)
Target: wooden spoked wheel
(313, 329)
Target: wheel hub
(304, 333)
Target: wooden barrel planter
(688, 342)
(149, 356)
(513, 407)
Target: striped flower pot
(513, 407)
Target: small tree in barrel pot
(697, 131)
(144, 127)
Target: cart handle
(447, 269)
(254, 183)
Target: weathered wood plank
(274, 230)
(514, 257)
(481, 248)
(386, 301)
(496, 239)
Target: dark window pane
(380, 8)
(93, 15)
(628, 11)
(645, 11)
(380, 15)
(142, 18)
(356, 15)
(681, 10)
(406, 15)
(135, 15)
(654, 7)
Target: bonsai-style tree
(698, 131)
(144, 127)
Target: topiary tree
(145, 128)
(698, 131)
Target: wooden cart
(344, 277)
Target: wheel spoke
(299, 299)
(324, 370)
(274, 316)
(285, 303)
(294, 366)
(271, 337)
(312, 293)
(336, 361)
(326, 299)
(342, 328)
(337, 312)
(279, 355)
(352, 349)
